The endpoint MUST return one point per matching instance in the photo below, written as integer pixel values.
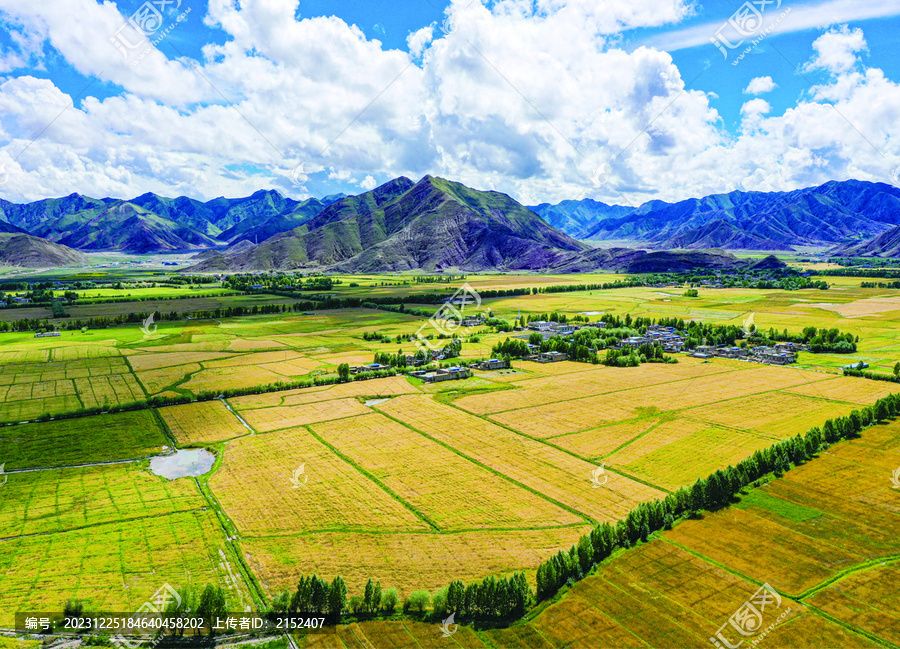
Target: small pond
(183, 464)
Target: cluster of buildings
(552, 328)
(669, 338)
(779, 354)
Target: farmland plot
(203, 421)
(451, 491)
(64, 499)
(278, 417)
(542, 468)
(101, 438)
(288, 482)
(407, 561)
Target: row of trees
(316, 595)
(712, 493)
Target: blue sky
(545, 100)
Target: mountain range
(831, 214)
(151, 223)
(438, 224)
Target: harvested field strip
(204, 421)
(278, 417)
(406, 561)
(453, 492)
(540, 467)
(328, 494)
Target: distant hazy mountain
(33, 252)
(152, 223)
(835, 212)
(576, 218)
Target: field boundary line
(558, 448)
(849, 572)
(721, 566)
(133, 373)
(165, 427)
(256, 591)
(79, 528)
(632, 440)
(569, 509)
(815, 610)
(416, 532)
(313, 423)
(390, 492)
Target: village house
(493, 364)
(445, 374)
(548, 357)
(374, 367)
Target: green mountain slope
(433, 224)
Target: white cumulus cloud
(760, 85)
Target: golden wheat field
(549, 471)
(453, 492)
(288, 482)
(204, 421)
(409, 561)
